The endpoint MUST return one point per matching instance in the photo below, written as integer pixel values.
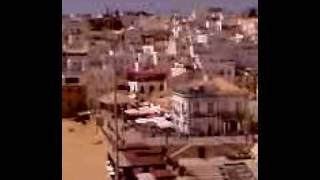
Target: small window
(161, 87)
(196, 107)
(210, 107)
(71, 80)
(238, 106)
(151, 88)
(142, 90)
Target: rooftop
(218, 168)
(146, 75)
(122, 98)
(142, 157)
(214, 87)
(162, 173)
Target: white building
(218, 67)
(208, 108)
(172, 47)
(148, 49)
(178, 69)
(202, 38)
(147, 83)
(248, 26)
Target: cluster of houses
(171, 79)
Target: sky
(156, 6)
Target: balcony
(202, 115)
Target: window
(196, 107)
(142, 90)
(182, 107)
(238, 106)
(161, 87)
(151, 88)
(184, 47)
(71, 80)
(210, 108)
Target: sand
(81, 158)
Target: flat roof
(162, 173)
(121, 98)
(211, 88)
(142, 157)
(146, 75)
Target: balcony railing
(202, 115)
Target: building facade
(205, 112)
(147, 84)
(73, 97)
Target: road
(81, 159)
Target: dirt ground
(81, 158)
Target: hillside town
(171, 97)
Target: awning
(160, 122)
(145, 176)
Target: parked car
(83, 117)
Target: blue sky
(161, 6)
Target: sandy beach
(81, 158)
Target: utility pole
(115, 112)
(116, 73)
